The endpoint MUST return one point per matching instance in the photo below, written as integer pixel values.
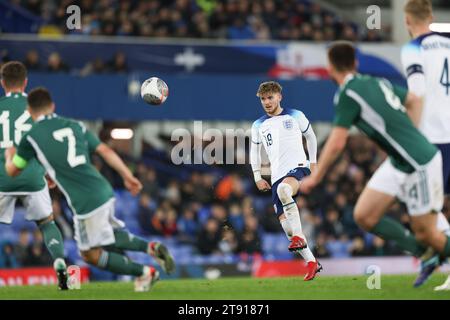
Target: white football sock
(287, 228)
(305, 253)
(290, 209)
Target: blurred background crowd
(217, 210)
(261, 20)
(208, 19)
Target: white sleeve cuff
(257, 175)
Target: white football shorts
(422, 191)
(37, 204)
(96, 228)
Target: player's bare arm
(114, 161)
(333, 148)
(414, 107)
(11, 169)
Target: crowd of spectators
(28, 251)
(291, 20)
(209, 19)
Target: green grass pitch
(323, 287)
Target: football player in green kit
(30, 187)
(413, 170)
(63, 146)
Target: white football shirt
(426, 63)
(281, 137)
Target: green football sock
(128, 241)
(389, 229)
(53, 239)
(119, 264)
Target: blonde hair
(419, 10)
(268, 87)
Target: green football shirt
(63, 146)
(15, 121)
(376, 107)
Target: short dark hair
(268, 87)
(39, 99)
(14, 74)
(342, 55)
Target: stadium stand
(238, 20)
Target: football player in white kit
(280, 131)
(426, 63)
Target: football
(154, 91)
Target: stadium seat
(260, 204)
(279, 256)
(126, 204)
(71, 251)
(20, 222)
(7, 233)
(274, 243)
(203, 215)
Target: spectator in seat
(21, 247)
(172, 194)
(378, 246)
(145, 213)
(359, 249)
(7, 257)
(209, 237)
(235, 217)
(37, 253)
(149, 182)
(97, 66)
(321, 250)
(332, 225)
(372, 36)
(188, 226)
(250, 241)
(119, 63)
(55, 63)
(32, 61)
(170, 223)
(239, 30)
(237, 190)
(229, 243)
(156, 223)
(219, 213)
